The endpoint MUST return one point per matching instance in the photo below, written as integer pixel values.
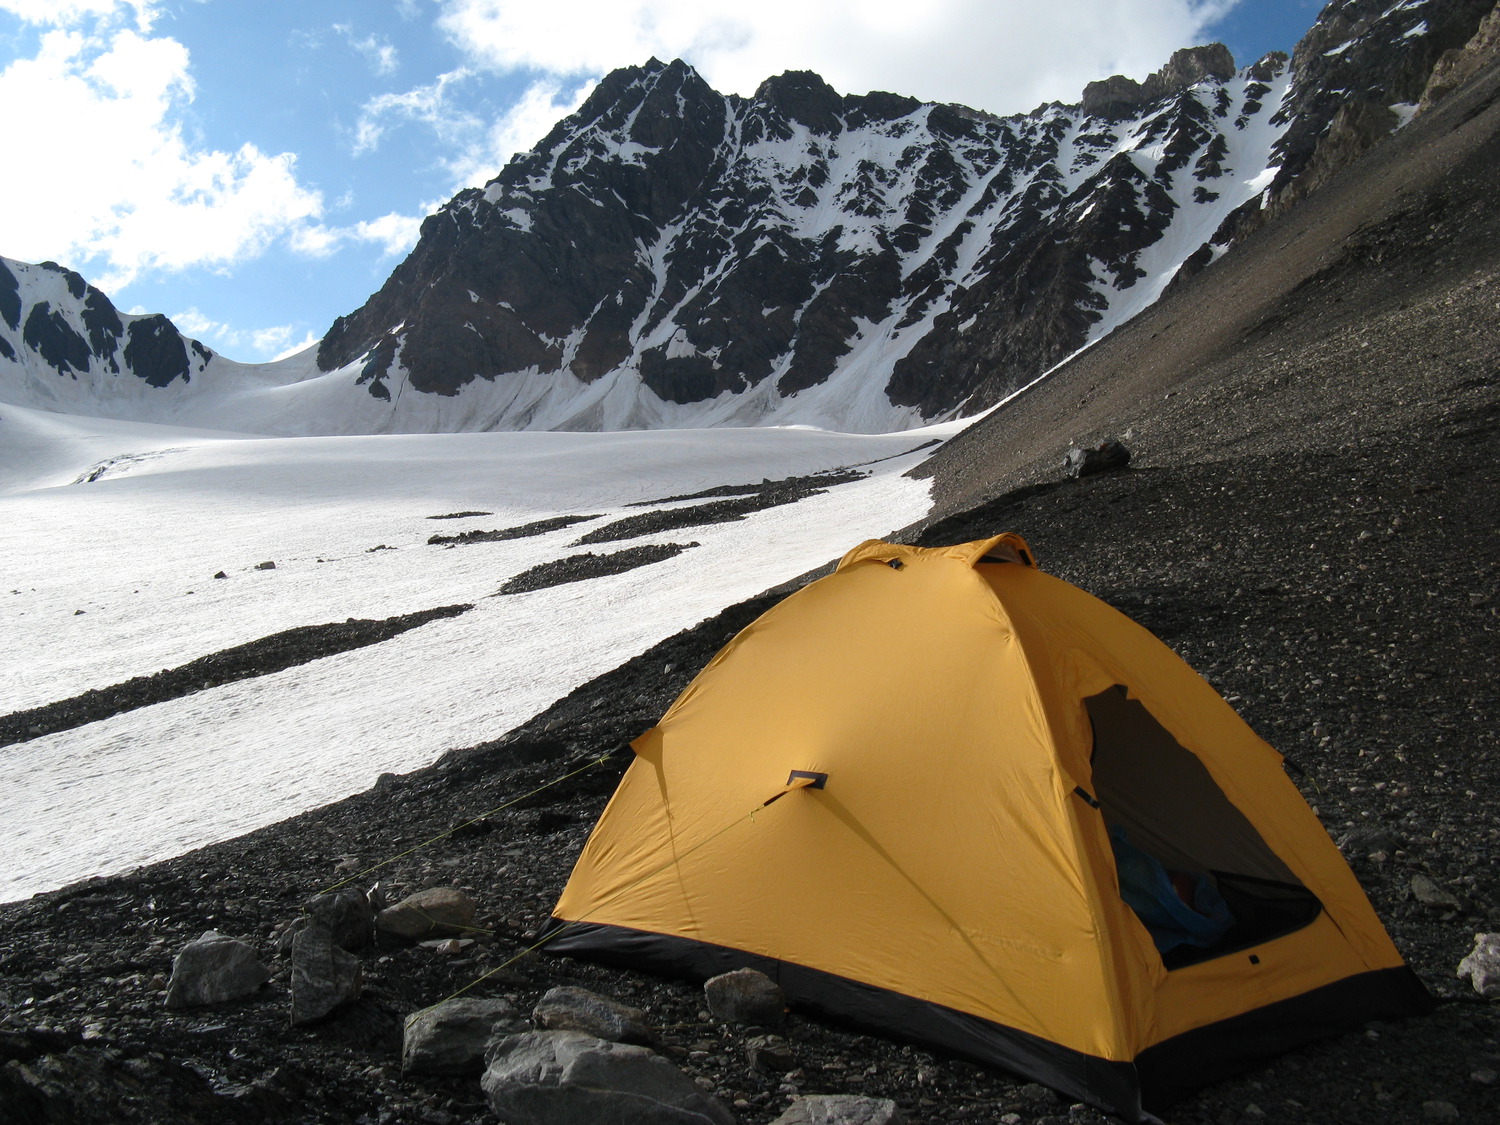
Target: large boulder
(435, 912)
(746, 996)
(1102, 458)
(324, 977)
(841, 1109)
(450, 1038)
(1482, 966)
(214, 969)
(569, 1078)
(577, 1009)
(347, 915)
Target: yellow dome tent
(895, 793)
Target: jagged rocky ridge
(669, 247)
(671, 256)
(70, 344)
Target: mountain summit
(670, 255)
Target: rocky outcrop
(669, 249)
(1361, 57)
(1118, 97)
(1458, 64)
(65, 335)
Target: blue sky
(255, 168)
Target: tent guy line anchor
(472, 820)
(799, 780)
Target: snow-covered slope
(111, 534)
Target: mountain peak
(803, 96)
(1117, 97)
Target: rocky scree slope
(1346, 317)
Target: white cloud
(480, 148)
(272, 339)
(191, 322)
(378, 50)
(69, 13)
(395, 234)
(1002, 55)
(262, 344)
(544, 104)
(110, 183)
(430, 104)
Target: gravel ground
(580, 568)
(742, 501)
(501, 534)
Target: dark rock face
(155, 351)
(686, 247)
(1118, 97)
(1345, 61)
(74, 331)
(10, 297)
(708, 245)
(49, 334)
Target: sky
(256, 168)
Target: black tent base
(1160, 1075)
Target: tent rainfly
(951, 798)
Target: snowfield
(111, 533)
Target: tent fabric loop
(1006, 547)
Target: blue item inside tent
(1147, 888)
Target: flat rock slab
(213, 970)
(450, 1038)
(435, 912)
(577, 1009)
(841, 1109)
(569, 1078)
